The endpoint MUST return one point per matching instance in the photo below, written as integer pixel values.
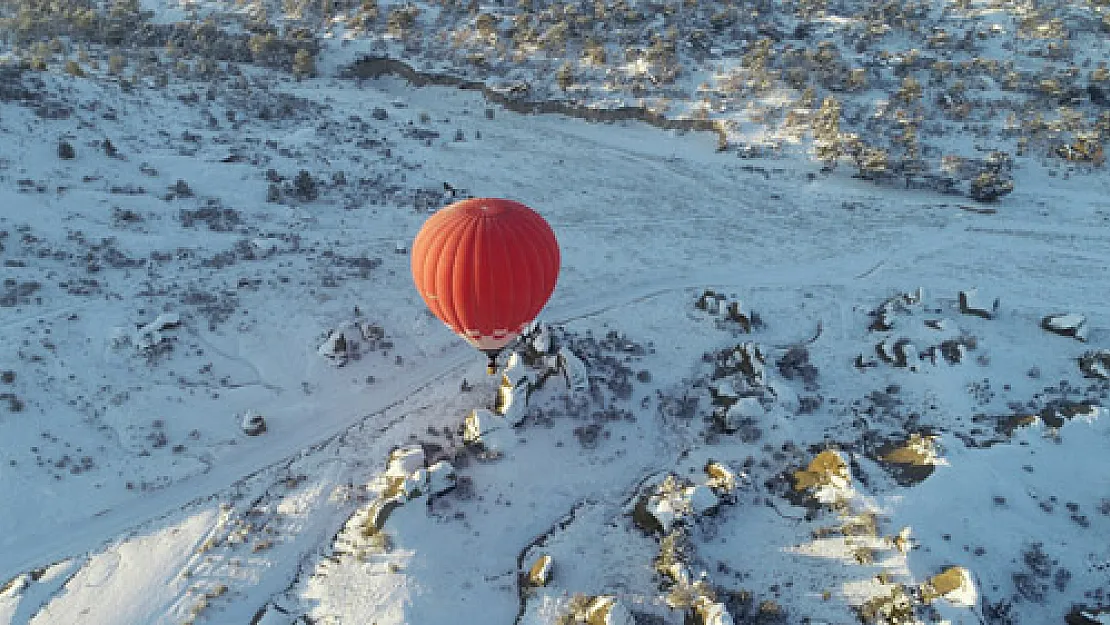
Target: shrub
(304, 64)
(304, 187)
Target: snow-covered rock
(512, 403)
(415, 484)
(252, 423)
(723, 391)
(608, 610)
(748, 359)
(827, 470)
(971, 303)
(1081, 615)
(701, 499)
(379, 511)
(721, 478)
(478, 422)
(516, 372)
(744, 408)
(16, 586)
(542, 340)
(1070, 324)
(672, 501)
(334, 347)
(679, 573)
(712, 613)
(540, 572)
(404, 461)
(1096, 364)
(954, 584)
(664, 510)
(488, 429)
(152, 334)
(441, 478)
(900, 352)
(709, 301)
(575, 369)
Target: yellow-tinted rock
(826, 469)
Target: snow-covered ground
(142, 318)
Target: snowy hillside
(788, 394)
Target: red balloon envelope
(486, 267)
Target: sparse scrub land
(920, 96)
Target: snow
(178, 512)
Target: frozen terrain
(904, 409)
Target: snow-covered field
(152, 296)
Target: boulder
(749, 360)
(252, 423)
(151, 335)
(884, 321)
(543, 342)
(404, 461)
(723, 392)
(441, 478)
(954, 584)
(1096, 364)
(574, 370)
(516, 372)
(1083, 615)
(911, 461)
(540, 572)
(608, 610)
(937, 324)
(664, 510)
(478, 422)
(1069, 324)
(334, 347)
(512, 402)
(744, 408)
(701, 500)
(721, 478)
(900, 352)
(415, 484)
(971, 303)
(379, 512)
(828, 468)
(709, 301)
(712, 613)
(487, 430)
(735, 313)
(671, 502)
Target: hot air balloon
(486, 267)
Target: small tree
(304, 186)
(486, 25)
(303, 64)
(116, 64)
(593, 51)
(564, 76)
(66, 151)
(988, 186)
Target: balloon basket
(491, 366)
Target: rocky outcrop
(516, 100)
